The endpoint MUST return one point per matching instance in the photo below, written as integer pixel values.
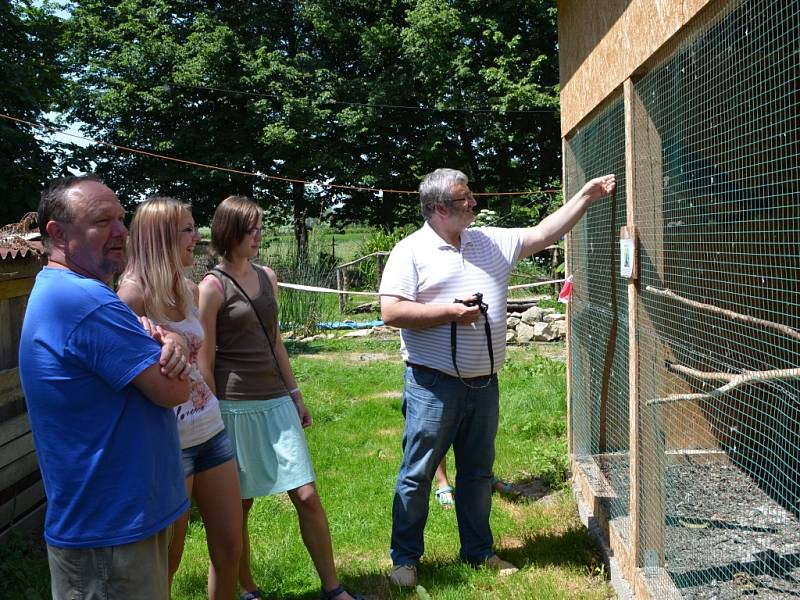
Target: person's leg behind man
(135, 571)
(432, 409)
(473, 447)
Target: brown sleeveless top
(245, 367)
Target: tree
(490, 69)
(30, 70)
(300, 91)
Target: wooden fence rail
(342, 280)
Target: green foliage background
(372, 93)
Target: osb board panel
(601, 44)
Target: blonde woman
(247, 365)
(161, 244)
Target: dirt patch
(354, 357)
(390, 394)
(390, 432)
(511, 543)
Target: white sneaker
(404, 576)
(503, 567)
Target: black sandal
(330, 595)
(251, 595)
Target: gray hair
(54, 205)
(435, 189)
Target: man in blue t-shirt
(99, 392)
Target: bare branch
(725, 312)
(734, 380)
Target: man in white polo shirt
(452, 351)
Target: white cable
(311, 288)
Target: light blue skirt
(269, 445)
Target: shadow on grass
(573, 548)
(24, 572)
(295, 347)
(435, 576)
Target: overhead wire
(340, 186)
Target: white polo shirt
(426, 269)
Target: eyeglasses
(464, 198)
(255, 231)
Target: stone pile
(536, 325)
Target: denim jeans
(442, 411)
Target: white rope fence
(324, 290)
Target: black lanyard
(484, 309)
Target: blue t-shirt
(109, 457)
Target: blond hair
(154, 258)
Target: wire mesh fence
(599, 310)
(715, 159)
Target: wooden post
(643, 174)
(343, 297)
(379, 259)
(568, 344)
(340, 287)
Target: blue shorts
(211, 453)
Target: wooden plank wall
(22, 498)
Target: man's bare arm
(160, 389)
(407, 314)
(553, 227)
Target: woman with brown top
(245, 362)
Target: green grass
(342, 245)
(353, 390)
(352, 387)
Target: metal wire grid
(717, 151)
(600, 441)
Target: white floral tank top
(198, 418)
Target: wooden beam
(629, 94)
(14, 428)
(31, 523)
(363, 258)
(18, 469)
(340, 287)
(647, 450)
(21, 503)
(10, 388)
(567, 250)
(13, 288)
(16, 449)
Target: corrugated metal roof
(20, 249)
(20, 240)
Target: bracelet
(294, 391)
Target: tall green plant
(302, 311)
(365, 274)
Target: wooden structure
(22, 499)
(342, 279)
(607, 50)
